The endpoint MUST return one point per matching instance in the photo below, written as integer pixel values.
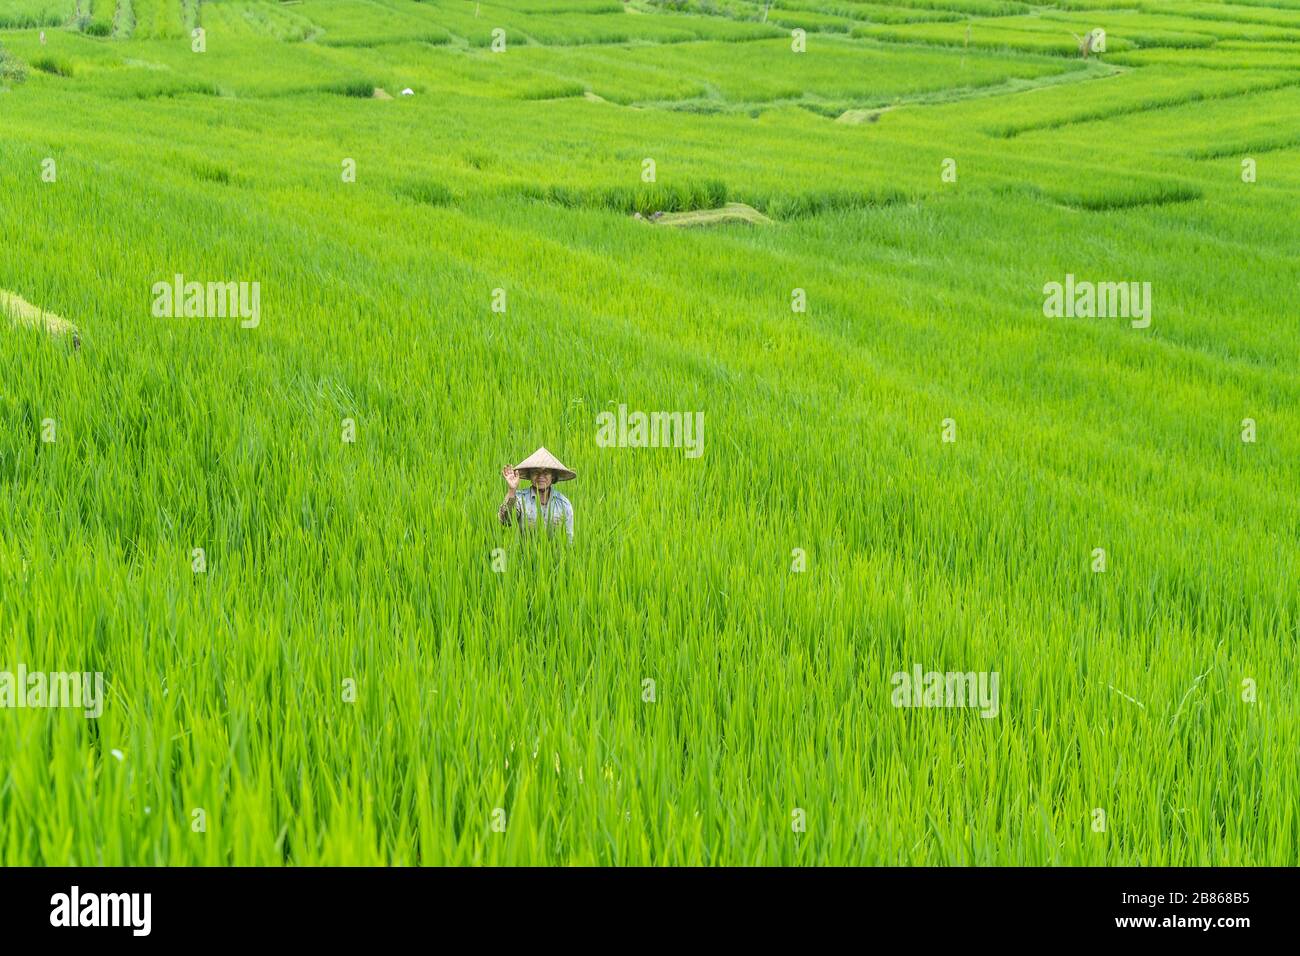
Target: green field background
(1163, 691)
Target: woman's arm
(506, 512)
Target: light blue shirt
(557, 510)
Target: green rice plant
(161, 19)
(1146, 29)
(1234, 13)
(840, 73)
(1134, 92)
(363, 88)
(1222, 57)
(273, 20)
(982, 8)
(96, 17)
(474, 23)
(31, 14)
(367, 23)
(854, 10)
(426, 191)
(53, 65)
(123, 20)
(11, 70)
(645, 199)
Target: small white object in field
(117, 754)
(42, 38)
(408, 92)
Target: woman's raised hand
(511, 476)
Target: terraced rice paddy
(276, 536)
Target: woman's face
(542, 480)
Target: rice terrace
(918, 382)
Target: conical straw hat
(543, 460)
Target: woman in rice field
(521, 507)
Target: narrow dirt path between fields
(22, 313)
